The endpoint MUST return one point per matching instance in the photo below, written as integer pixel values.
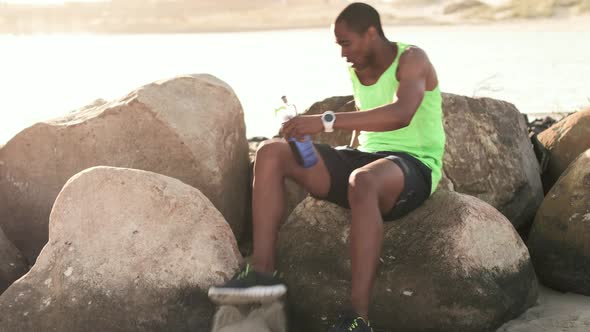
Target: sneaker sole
(257, 294)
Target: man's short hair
(359, 17)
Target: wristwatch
(328, 118)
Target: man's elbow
(400, 116)
(398, 123)
(405, 122)
(406, 119)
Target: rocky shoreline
(126, 211)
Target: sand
(555, 311)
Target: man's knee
(361, 184)
(366, 183)
(270, 151)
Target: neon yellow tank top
(423, 139)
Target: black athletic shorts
(341, 161)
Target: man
(395, 169)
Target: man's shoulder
(413, 54)
(413, 60)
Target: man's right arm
(354, 139)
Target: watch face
(328, 117)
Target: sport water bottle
(302, 150)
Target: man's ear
(372, 33)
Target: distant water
(540, 67)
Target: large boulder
(190, 128)
(128, 250)
(488, 155)
(454, 264)
(560, 236)
(12, 264)
(565, 141)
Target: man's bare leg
(274, 162)
(373, 190)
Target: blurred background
(57, 56)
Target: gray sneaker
(248, 286)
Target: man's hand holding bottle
(302, 125)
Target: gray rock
(489, 155)
(128, 250)
(565, 140)
(454, 264)
(190, 128)
(560, 237)
(12, 264)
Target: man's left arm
(412, 74)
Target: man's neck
(385, 53)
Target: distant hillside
(178, 16)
